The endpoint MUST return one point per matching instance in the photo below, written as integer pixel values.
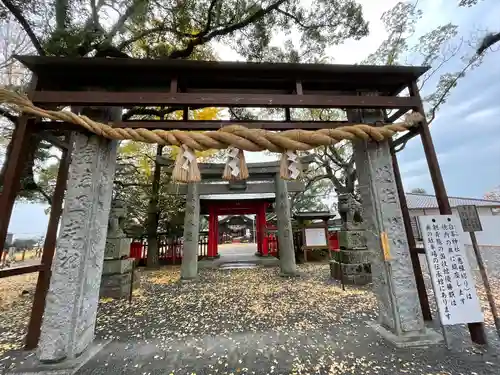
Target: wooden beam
(397, 115)
(92, 98)
(49, 247)
(205, 124)
(14, 271)
(53, 140)
(218, 168)
(212, 189)
(412, 133)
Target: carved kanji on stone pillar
(71, 304)
(285, 237)
(400, 317)
(189, 267)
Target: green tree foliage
(152, 28)
(80, 27)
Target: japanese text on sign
(451, 275)
(469, 218)
(316, 237)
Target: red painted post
(212, 239)
(258, 233)
(216, 234)
(265, 248)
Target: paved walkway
(238, 252)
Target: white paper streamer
(189, 156)
(293, 167)
(234, 161)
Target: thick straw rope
(232, 135)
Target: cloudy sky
(466, 130)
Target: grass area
(28, 254)
(11, 289)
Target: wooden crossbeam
(212, 189)
(91, 98)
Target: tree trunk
(153, 216)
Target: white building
(489, 214)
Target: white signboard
(315, 237)
(451, 275)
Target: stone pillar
(400, 317)
(189, 267)
(285, 235)
(351, 263)
(71, 304)
(117, 269)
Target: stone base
(296, 274)
(352, 239)
(66, 367)
(117, 248)
(211, 258)
(351, 274)
(415, 339)
(185, 280)
(118, 285)
(117, 266)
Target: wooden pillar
(477, 332)
(415, 260)
(23, 130)
(11, 183)
(49, 246)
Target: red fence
(169, 248)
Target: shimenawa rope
(232, 136)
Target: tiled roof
(416, 201)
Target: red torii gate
(256, 207)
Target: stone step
(237, 265)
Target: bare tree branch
(209, 20)
(450, 86)
(95, 16)
(186, 52)
(47, 197)
(154, 30)
(488, 41)
(26, 26)
(123, 18)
